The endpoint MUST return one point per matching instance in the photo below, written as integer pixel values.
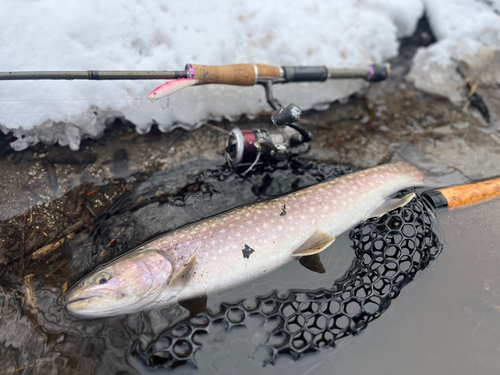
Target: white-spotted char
(240, 245)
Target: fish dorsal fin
(318, 242)
(389, 205)
(186, 267)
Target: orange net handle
(463, 195)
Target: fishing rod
(235, 74)
(243, 146)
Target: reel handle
(235, 74)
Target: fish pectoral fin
(314, 245)
(312, 263)
(195, 305)
(389, 205)
(186, 267)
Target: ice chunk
(469, 38)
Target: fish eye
(102, 278)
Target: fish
(241, 245)
(170, 87)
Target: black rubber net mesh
(389, 252)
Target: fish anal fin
(389, 205)
(186, 267)
(318, 242)
(195, 305)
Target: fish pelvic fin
(318, 242)
(186, 267)
(391, 204)
(312, 263)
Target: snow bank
(469, 37)
(159, 35)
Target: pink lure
(170, 87)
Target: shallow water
(452, 307)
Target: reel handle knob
(287, 115)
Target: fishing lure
(171, 87)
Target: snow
(468, 33)
(159, 35)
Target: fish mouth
(107, 293)
(79, 299)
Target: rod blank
(94, 75)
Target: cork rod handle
(237, 74)
(472, 193)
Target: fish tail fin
(435, 174)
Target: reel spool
(247, 147)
